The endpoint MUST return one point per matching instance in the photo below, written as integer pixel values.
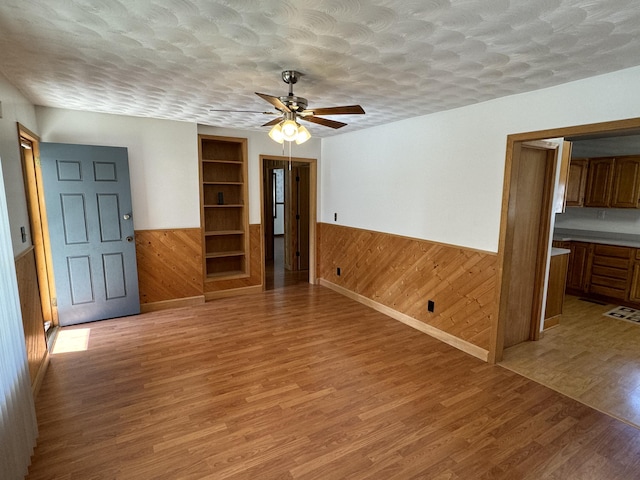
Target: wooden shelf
(238, 253)
(223, 206)
(223, 232)
(222, 183)
(227, 275)
(235, 205)
(213, 160)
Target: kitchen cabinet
(577, 182)
(626, 183)
(599, 182)
(610, 270)
(634, 291)
(578, 266)
(556, 287)
(610, 182)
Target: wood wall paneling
(169, 264)
(404, 273)
(32, 319)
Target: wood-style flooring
(589, 357)
(302, 383)
(276, 276)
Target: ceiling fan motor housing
(295, 104)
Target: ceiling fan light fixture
(303, 135)
(276, 133)
(289, 130)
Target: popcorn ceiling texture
(176, 59)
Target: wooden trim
(168, 304)
(197, 229)
(233, 292)
(551, 322)
(313, 210)
(616, 126)
(38, 223)
(445, 337)
(42, 370)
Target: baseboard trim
(42, 370)
(436, 333)
(232, 292)
(175, 303)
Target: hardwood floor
(301, 382)
(276, 276)
(589, 357)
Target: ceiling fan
(291, 108)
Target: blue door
(88, 204)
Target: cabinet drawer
(610, 273)
(611, 262)
(608, 291)
(613, 283)
(612, 251)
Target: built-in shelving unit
(223, 199)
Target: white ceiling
(177, 59)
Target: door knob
(127, 216)
(129, 239)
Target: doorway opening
(288, 221)
(512, 209)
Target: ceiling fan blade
(273, 122)
(275, 101)
(323, 121)
(241, 111)
(345, 110)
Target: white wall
(440, 177)
(259, 143)
(15, 108)
(163, 160)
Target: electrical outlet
(431, 306)
(338, 271)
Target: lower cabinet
(605, 272)
(610, 271)
(634, 292)
(578, 263)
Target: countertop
(608, 238)
(559, 251)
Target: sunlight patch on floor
(75, 340)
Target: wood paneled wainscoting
(32, 319)
(169, 268)
(398, 275)
(170, 272)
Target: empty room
(333, 240)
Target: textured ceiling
(177, 59)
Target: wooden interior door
(268, 202)
(297, 217)
(529, 213)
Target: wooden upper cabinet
(599, 182)
(577, 182)
(626, 183)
